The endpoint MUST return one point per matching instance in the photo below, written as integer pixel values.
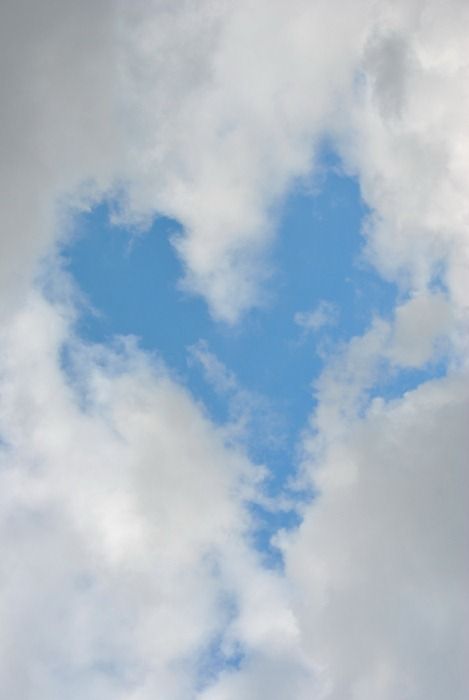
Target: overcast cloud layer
(128, 569)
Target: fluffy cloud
(231, 102)
(125, 538)
(421, 325)
(380, 563)
(411, 143)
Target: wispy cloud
(325, 314)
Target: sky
(234, 388)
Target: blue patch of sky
(396, 382)
(215, 659)
(131, 281)
(268, 523)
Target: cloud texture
(128, 569)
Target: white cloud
(123, 527)
(248, 91)
(410, 143)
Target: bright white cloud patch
(128, 570)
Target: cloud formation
(380, 564)
(125, 535)
(127, 565)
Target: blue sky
(131, 283)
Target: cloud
(325, 314)
(410, 144)
(246, 96)
(206, 114)
(379, 564)
(124, 531)
(377, 571)
(420, 325)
